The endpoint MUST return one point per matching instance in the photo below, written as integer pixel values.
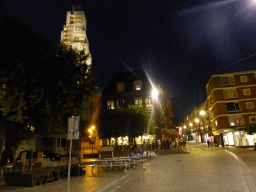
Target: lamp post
(92, 131)
(202, 115)
(197, 122)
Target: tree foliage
(250, 128)
(42, 82)
(131, 121)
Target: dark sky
(181, 43)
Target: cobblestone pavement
(202, 169)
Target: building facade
(74, 32)
(232, 101)
(135, 89)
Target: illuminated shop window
(148, 102)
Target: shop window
(235, 120)
(120, 87)
(230, 93)
(227, 80)
(247, 91)
(110, 104)
(243, 78)
(138, 101)
(252, 119)
(120, 102)
(61, 142)
(137, 85)
(249, 105)
(233, 106)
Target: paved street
(202, 169)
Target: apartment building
(74, 32)
(232, 102)
(129, 88)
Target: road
(202, 169)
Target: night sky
(181, 43)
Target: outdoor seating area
(40, 173)
(121, 162)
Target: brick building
(232, 101)
(135, 88)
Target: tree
(43, 82)
(250, 128)
(131, 121)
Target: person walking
(208, 142)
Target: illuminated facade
(135, 89)
(74, 32)
(232, 103)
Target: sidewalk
(247, 154)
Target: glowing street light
(202, 112)
(184, 126)
(190, 124)
(93, 139)
(154, 93)
(197, 120)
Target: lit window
(138, 101)
(249, 105)
(216, 123)
(235, 120)
(227, 80)
(233, 106)
(252, 119)
(243, 78)
(137, 85)
(148, 102)
(247, 91)
(120, 87)
(110, 104)
(230, 93)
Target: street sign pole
(72, 133)
(69, 163)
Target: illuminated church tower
(74, 32)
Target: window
(227, 80)
(137, 85)
(61, 142)
(247, 91)
(120, 102)
(215, 123)
(252, 119)
(233, 106)
(148, 102)
(138, 101)
(235, 120)
(243, 78)
(120, 87)
(249, 105)
(110, 104)
(230, 93)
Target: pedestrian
(208, 142)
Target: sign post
(72, 133)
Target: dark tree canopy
(131, 121)
(42, 82)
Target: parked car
(47, 154)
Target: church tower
(74, 32)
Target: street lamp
(154, 93)
(93, 138)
